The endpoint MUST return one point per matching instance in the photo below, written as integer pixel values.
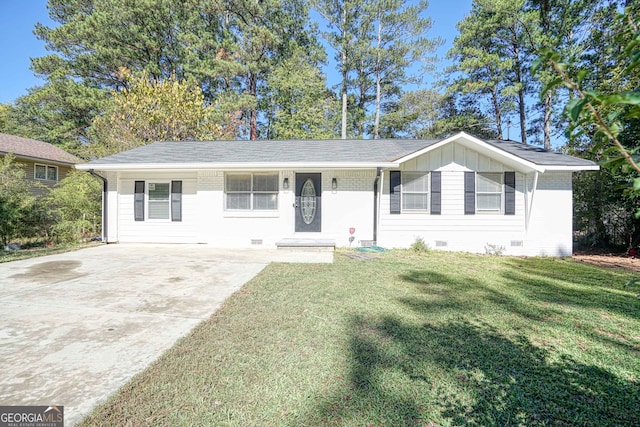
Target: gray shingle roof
(34, 149)
(538, 155)
(310, 151)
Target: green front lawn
(405, 339)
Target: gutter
(104, 204)
(375, 206)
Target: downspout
(104, 204)
(375, 206)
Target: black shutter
(138, 201)
(395, 187)
(469, 193)
(509, 193)
(436, 199)
(176, 201)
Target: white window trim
(147, 209)
(403, 192)
(46, 172)
(491, 211)
(251, 212)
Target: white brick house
(461, 193)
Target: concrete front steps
(318, 245)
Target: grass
(42, 250)
(405, 339)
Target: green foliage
(16, 200)
(490, 56)
(150, 110)
(604, 116)
(76, 203)
(300, 104)
(419, 245)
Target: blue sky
(18, 43)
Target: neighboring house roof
(351, 153)
(31, 149)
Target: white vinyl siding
(489, 190)
(415, 191)
(251, 191)
(124, 228)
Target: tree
(605, 109)
(343, 20)
(376, 42)
(301, 105)
(399, 42)
(15, 198)
(493, 52)
(76, 203)
(151, 110)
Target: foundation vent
(256, 241)
(441, 244)
(518, 243)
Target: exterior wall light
(334, 183)
(285, 183)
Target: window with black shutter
(509, 193)
(176, 201)
(395, 189)
(469, 193)
(436, 199)
(138, 201)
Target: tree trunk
(344, 72)
(376, 122)
(547, 121)
(521, 102)
(253, 113)
(497, 112)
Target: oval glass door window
(308, 201)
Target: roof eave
(234, 166)
(567, 168)
(38, 159)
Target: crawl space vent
(441, 243)
(516, 243)
(256, 241)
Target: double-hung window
(163, 200)
(45, 172)
(489, 192)
(415, 191)
(159, 207)
(251, 191)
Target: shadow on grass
(460, 372)
(573, 284)
(466, 374)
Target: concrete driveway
(75, 327)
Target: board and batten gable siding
(157, 231)
(453, 230)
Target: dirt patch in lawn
(609, 260)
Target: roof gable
(522, 157)
(35, 150)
